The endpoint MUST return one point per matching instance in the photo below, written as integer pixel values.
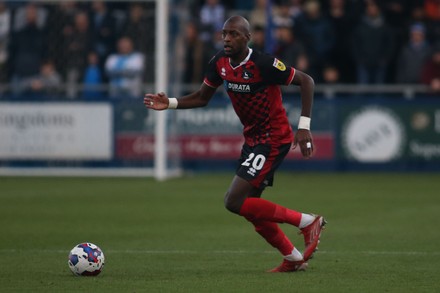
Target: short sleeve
(212, 78)
(275, 72)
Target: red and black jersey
(253, 87)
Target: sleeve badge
(279, 65)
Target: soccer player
(252, 82)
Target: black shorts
(257, 164)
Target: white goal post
(161, 70)
(161, 169)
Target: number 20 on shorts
(257, 161)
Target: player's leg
(258, 209)
(255, 172)
(252, 162)
(241, 189)
(293, 260)
(237, 193)
(250, 180)
(243, 198)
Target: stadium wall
(362, 132)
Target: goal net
(71, 104)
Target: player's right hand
(156, 101)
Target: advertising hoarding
(54, 131)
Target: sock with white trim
(294, 256)
(306, 219)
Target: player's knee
(232, 204)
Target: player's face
(234, 40)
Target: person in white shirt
(125, 70)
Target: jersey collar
(242, 62)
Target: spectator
(257, 16)
(78, 44)
(62, 16)
(281, 16)
(331, 74)
(396, 14)
(315, 31)
(140, 28)
(258, 39)
(295, 8)
(193, 55)
(417, 15)
(432, 13)
(5, 29)
(93, 78)
(287, 48)
(343, 20)
(104, 30)
(46, 83)
(27, 49)
(413, 56)
(303, 63)
(212, 47)
(372, 46)
(431, 70)
(20, 16)
(125, 69)
(212, 16)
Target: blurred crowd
(45, 45)
(335, 41)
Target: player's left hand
(304, 138)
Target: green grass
(175, 236)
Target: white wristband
(304, 123)
(172, 103)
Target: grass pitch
(176, 236)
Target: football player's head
(236, 35)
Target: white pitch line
(141, 251)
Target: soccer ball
(86, 259)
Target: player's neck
(239, 58)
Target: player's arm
(161, 101)
(307, 86)
(303, 136)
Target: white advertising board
(56, 131)
(374, 135)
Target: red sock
(258, 209)
(274, 236)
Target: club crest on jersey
(240, 88)
(223, 71)
(247, 75)
(279, 65)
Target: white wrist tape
(304, 123)
(172, 103)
